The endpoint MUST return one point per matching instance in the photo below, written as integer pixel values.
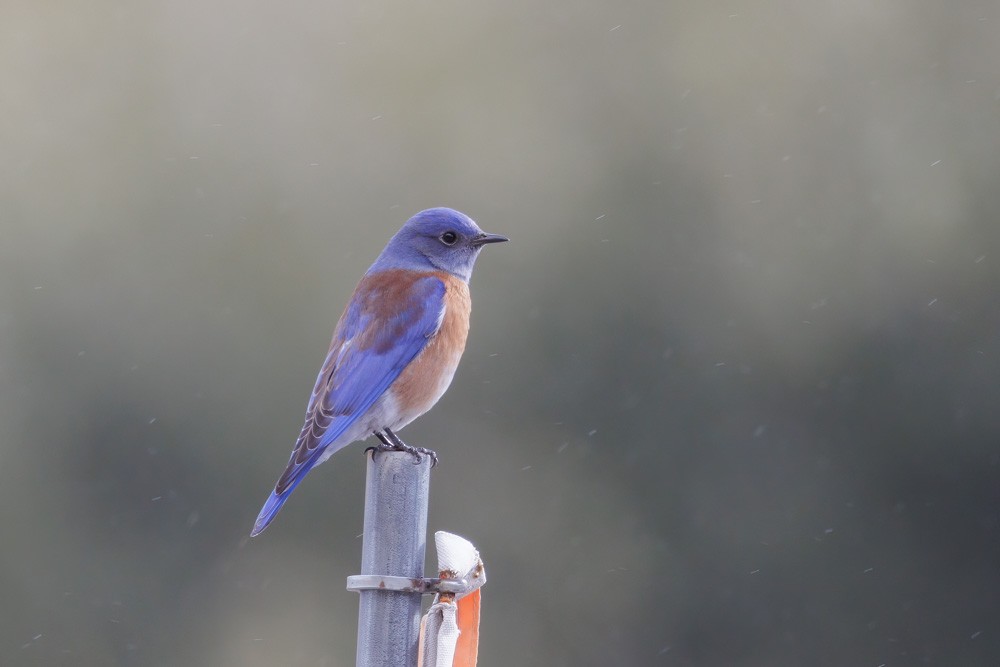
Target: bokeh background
(730, 396)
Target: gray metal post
(395, 540)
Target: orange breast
(427, 377)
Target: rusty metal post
(395, 541)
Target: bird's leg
(401, 446)
(385, 445)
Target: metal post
(395, 539)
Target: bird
(395, 348)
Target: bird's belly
(428, 376)
(423, 382)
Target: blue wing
(388, 321)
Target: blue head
(438, 239)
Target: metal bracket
(418, 586)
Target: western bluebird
(395, 348)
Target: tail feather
(273, 505)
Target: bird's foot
(417, 452)
(390, 442)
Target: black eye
(449, 238)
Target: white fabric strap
(458, 561)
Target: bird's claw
(382, 447)
(391, 443)
(418, 451)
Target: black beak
(484, 238)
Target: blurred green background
(730, 396)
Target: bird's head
(436, 239)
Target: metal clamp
(418, 586)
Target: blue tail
(272, 506)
